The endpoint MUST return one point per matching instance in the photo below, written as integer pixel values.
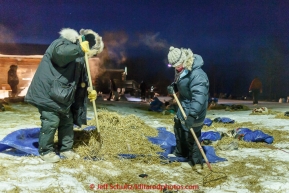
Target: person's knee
(49, 119)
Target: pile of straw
(228, 107)
(270, 112)
(118, 135)
(281, 116)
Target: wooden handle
(194, 134)
(91, 88)
(180, 106)
(201, 149)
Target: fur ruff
(91, 53)
(98, 47)
(189, 61)
(69, 34)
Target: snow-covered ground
(31, 174)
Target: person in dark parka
(192, 85)
(13, 79)
(113, 90)
(143, 89)
(256, 89)
(59, 90)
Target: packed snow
(31, 174)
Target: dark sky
(237, 39)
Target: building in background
(27, 66)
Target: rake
(212, 176)
(273, 147)
(93, 102)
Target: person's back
(142, 86)
(256, 84)
(13, 79)
(112, 85)
(113, 91)
(256, 89)
(143, 90)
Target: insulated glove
(189, 122)
(92, 95)
(85, 46)
(170, 90)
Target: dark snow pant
(143, 94)
(111, 93)
(255, 93)
(14, 89)
(50, 122)
(186, 145)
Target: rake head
(214, 177)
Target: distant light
(169, 65)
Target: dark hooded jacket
(256, 84)
(12, 76)
(61, 74)
(193, 88)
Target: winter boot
(172, 155)
(198, 168)
(70, 155)
(50, 157)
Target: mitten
(170, 90)
(92, 95)
(85, 46)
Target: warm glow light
(4, 94)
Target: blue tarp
(156, 105)
(26, 141)
(210, 135)
(254, 136)
(223, 120)
(248, 135)
(211, 155)
(208, 122)
(167, 141)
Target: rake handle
(201, 149)
(91, 88)
(273, 147)
(193, 133)
(180, 106)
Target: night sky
(238, 40)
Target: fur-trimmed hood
(69, 34)
(178, 56)
(72, 35)
(98, 47)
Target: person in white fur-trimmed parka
(192, 85)
(59, 90)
